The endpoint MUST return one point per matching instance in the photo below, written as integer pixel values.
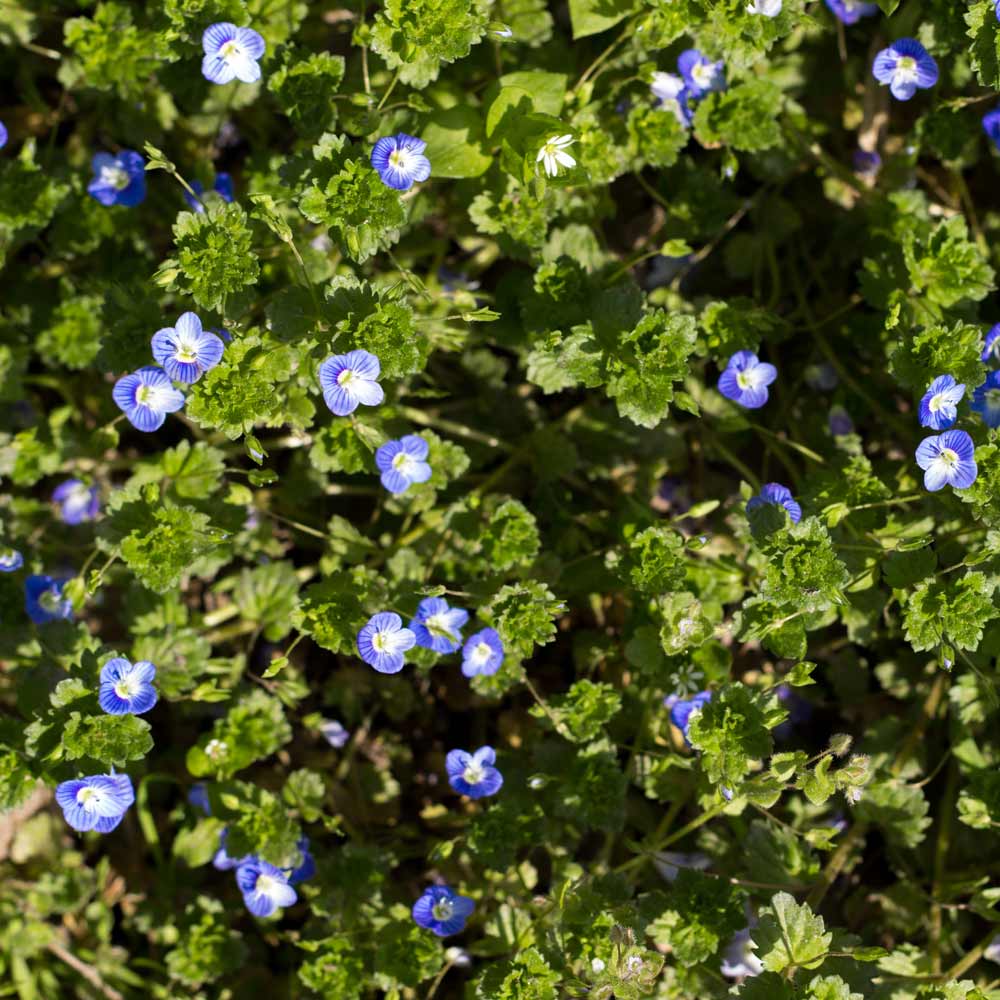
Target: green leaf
(456, 143)
(590, 17)
(114, 740)
(790, 934)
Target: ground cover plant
(499, 499)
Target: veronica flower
(119, 179)
(231, 53)
(334, 733)
(222, 186)
(383, 641)
(127, 688)
(769, 8)
(10, 560)
(146, 397)
(947, 459)
(905, 66)
(700, 74)
(672, 93)
(839, 421)
(683, 708)
(402, 463)
(739, 960)
(986, 400)
(442, 910)
(939, 406)
(781, 496)
(473, 774)
(482, 654)
(670, 863)
(97, 802)
(746, 378)
(3, 135)
(400, 162)
(223, 860)
(991, 347)
(186, 351)
(77, 501)
(992, 951)
(553, 154)
(44, 601)
(851, 11)
(501, 30)
(867, 163)
(348, 380)
(198, 797)
(306, 867)
(438, 626)
(265, 888)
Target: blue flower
(306, 867)
(186, 351)
(383, 641)
(769, 8)
(400, 161)
(198, 797)
(775, 493)
(223, 860)
(118, 180)
(127, 688)
(700, 74)
(44, 601)
(77, 501)
(402, 463)
(997, 10)
(991, 347)
(348, 380)
(986, 400)
(438, 626)
(683, 708)
(851, 11)
(442, 910)
(10, 560)
(473, 774)
(482, 653)
(265, 888)
(222, 186)
(146, 397)
(947, 459)
(867, 163)
(746, 378)
(3, 135)
(97, 802)
(334, 733)
(231, 53)
(905, 66)
(672, 93)
(939, 406)
(839, 421)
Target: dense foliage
(499, 499)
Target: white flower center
(949, 457)
(481, 654)
(403, 463)
(79, 496)
(265, 884)
(380, 642)
(186, 351)
(88, 798)
(216, 749)
(145, 394)
(114, 177)
(231, 50)
(443, 909)
(473, 773)
(7, 558)
(438, 625)
(127, 687)
(400, 159)
(747, 379)
(906, 68)
(703, 74)
(347, 376)
(937, 401)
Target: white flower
(597, 964)
(769, 8)
(553, 154)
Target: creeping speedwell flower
(867, 163)
(746, 378)
(3, 135)
(682, 710)
(400, 161)
(223, 860)
(198, 797)
(334, 733)
(905, 66)
(10, 560)
(700, 74)
(939, 407)
(231, 53)
(947, 460)
(769, 8)
(97, 802)
(222, 186)
(553, 154)
(482, 653)
(438, 626)
(348, 380)
(673, 95)
(265, 888)
(118, 180)
(851, 11)
(383, 641)
(739, 960)
(670, 863)
(127, 688)
(442, 910)
(403, 463)
(77, 501)
(473, 774)
(44, 601)
(306, 868)
(186, 351)
(146, 397)
(991, 347)
(986, 400)
(777, 494)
